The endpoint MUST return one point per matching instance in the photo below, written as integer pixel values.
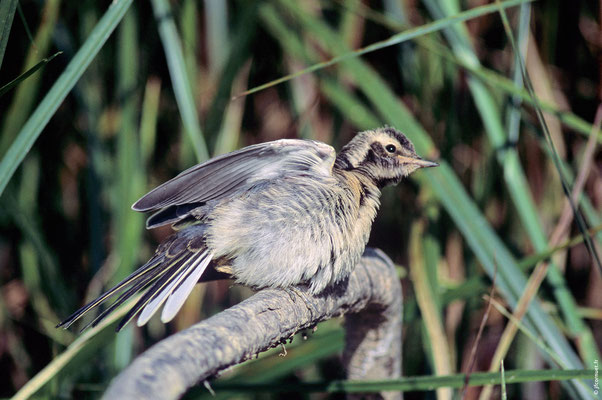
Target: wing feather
(239, 170)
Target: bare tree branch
(371, 298)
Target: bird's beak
(421, 163)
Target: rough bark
(371, 299)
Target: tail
(168, 277)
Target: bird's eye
(390, 148)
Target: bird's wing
(232, 172)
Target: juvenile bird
(275, 214)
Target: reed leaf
(61, 88)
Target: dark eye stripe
(378, 149)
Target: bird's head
(383, 154)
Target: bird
(277, 214)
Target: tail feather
(163, 289)
(174, 269)
(137, 287)
(182, 291)
(155, 287)
(154, 297)
(132, 279)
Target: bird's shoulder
(293, 156)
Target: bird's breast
(294, 231)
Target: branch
(371, 297)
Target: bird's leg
(284, 352)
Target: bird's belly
(283, 241)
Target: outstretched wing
(233, 172)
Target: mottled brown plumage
(276, 214)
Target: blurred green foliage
(143, 90)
